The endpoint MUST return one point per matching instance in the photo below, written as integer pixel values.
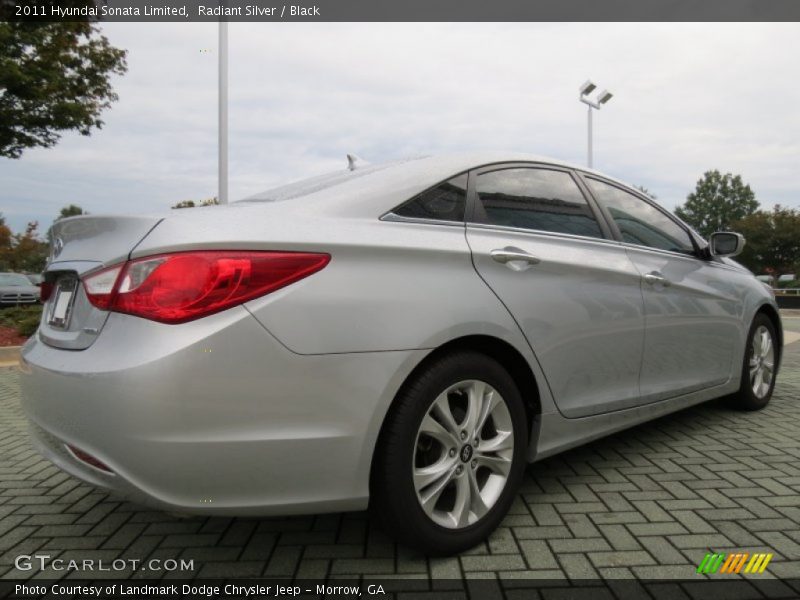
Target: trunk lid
(79, 245)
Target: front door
(692, 306)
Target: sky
(687, 98)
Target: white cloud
(688, 97)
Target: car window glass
(13, 279)
(538, 199)
(445, 202)
(639, 222)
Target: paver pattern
(646, 503)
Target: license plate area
(62, 303)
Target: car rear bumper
(213, 416)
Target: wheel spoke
(766, 343)
(441, 410)
(478, 507)
(431, 495)
(504, 440)
(757, 383)
(432, 428)
(475, 401)
(768, 365)
(463, 502)
(497, 464)
(425, 476)
(490, 402)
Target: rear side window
(445, 202)
(539, 199)
(639, 222)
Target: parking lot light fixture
(602, 98)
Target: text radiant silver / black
(406, 335)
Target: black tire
(746, 398)
(394, 503)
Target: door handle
(511, 254)
(655, 278)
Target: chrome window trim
(711, 263)
(391, 217)
(660, 251)
(544, 233)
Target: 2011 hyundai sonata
(407, 335)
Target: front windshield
(13, 279)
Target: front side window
(539, 199)
(445, 202)
(639, 222)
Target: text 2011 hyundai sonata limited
(407, 336)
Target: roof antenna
(354, 161)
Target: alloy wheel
(463, 454)
(762, 362)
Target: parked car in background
(35, 278)
(407, 336)
(16, 289)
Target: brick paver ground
(645, 503)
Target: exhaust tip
(88, 459)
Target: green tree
(25, 252)
(192, 204)
(73, 210)
(185, 204)
(646, 192)
(773, 241)
(5, 233)
(5, 244)
(54, 77)
(717, 201)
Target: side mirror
(726, 243)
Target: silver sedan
(406, 336)
(16, 289)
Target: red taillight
(174, 288)
(100, 286)
(88, 458)
(45, 289)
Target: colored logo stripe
(710, 563)
(758, 563)
(733, 563)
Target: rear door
(540, 245)
(693, 308)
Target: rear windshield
(306, 187)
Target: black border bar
(401, 10)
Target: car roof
(396, 181)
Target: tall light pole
(585, 90)
(222, 193)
